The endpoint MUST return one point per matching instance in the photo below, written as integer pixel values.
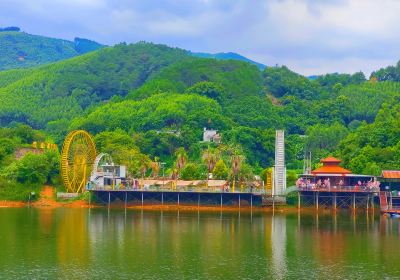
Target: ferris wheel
(77, 159)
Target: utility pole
(163, 176)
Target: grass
(13, 191)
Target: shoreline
(154, 207)
(47, 200)
(158, 207)
(46, 204)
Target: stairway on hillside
(279, 167)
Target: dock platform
(128, 198)
(344, 198)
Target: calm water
(101, 244)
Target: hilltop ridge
(22, 50)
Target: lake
(117, 244)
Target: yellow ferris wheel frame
(77, 159)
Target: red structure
(330, 165)
(331, 176)
(334, 186)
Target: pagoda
(330, 165)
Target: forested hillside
(148, 101)
(228, 56)
(64, 90)
(22, 50)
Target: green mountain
(227, 56)
(22, 50)
(64, 89)
(155, 99)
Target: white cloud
(311, 36)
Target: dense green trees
(192, 171)
(35, 169)
(65, 89)
(220, 170)
(390, 73)
(322, 139)
(144, 101)
(19, 49)
(375, 146)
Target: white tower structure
(279, 186)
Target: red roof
(330, 159)
(391, 174)
(331, 166)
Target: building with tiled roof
(330, 165)
(390, 179)
(333, 176)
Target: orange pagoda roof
(391, 174)
(330, 165)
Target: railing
(340, 189)
(177, 189)
(389, 201)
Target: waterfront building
(331, 176)
(334, 186)
(390, 180)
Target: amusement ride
(77, 160)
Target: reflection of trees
(72, 237)
(227, 245)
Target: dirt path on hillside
(47, 198)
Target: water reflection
(278, 245)
(70, 243)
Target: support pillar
(198, 201)
(354, 202)
(372, 203)
(162, 198)
(239, 201)
(109, 199)
(317, 200)
(126, 198)
(367, 202)
(298, 200)
(251, 201)
(334, 203)
(315, 197)
(178, 198)
(221, 201)
(142, 198)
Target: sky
(309, 36)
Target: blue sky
(309, 36)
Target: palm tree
(174, 177)
(155, 167)
(181, 160)
(144, 164)
(210, 157)
(236, 158)
(236, 164)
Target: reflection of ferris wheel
(77, 158)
